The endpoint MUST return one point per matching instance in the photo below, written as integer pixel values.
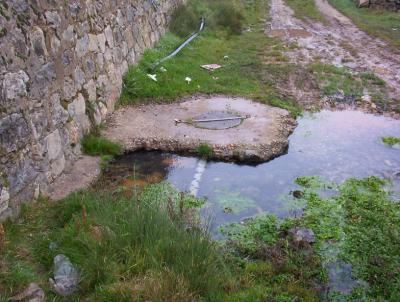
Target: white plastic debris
(211, 67)
(163, 69)
(188, 80)
(152, 76)
(226, 57)
(66, 276)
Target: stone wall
(61, 68)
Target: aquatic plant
(233, 202)
(391, 140)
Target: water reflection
(333, 145)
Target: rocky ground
(338, 42)
(261, 137)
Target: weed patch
(97, 146)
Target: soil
(338, 42)
(260, 137)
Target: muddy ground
(338, 42)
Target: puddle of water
(333, 145)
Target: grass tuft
(205, 150)
(97, 146)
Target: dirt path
(339, 42)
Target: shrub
(184, 21)
(230, 18)
(225, 14)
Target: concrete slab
(261, 137)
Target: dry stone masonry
(61, 68)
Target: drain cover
(217, 120)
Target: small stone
(33, 293)
(66, 276)
(37, 42)
(298, 194)
(53, 19)
(69, 88)
(302, 235)
(363, 3)
(55, 45)
(69, 34)
(77, 107)
(14, 85)
(53, 145)
(109, 36)
(93, 43)
(82, 46)
(4, 199)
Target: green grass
(243, 73)
(379, 23)
(98, 146)
(331, 79)
(306, 10)
(391, 141)
(152, 247)
(124, 248)
(205, 150)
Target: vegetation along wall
(61, 68)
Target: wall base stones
(61, 68)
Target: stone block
(38, 42)
(14, 85)
(53, 145)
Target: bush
(230, 18)
(184, 21)
(224, 14)
(96, 146)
